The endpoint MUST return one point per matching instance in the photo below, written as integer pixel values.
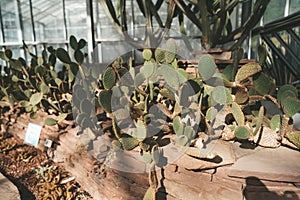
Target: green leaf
(238, 114)
(63, 55)
(36, 98)
(275, 122)
(247, 70)
(109, 78)
(40, 61)
(50, 121)
(242, 132)
(206, 67)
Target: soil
(34, 174)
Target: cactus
(286, 91)
(246, 71)
(159, 55)
(294, 138)
(147, 54)
(109, 78)
(104, 100)
(206, 67)
(242, 132)
(128, 142)
(259, 121)
(238, 114)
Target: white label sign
(33, 134)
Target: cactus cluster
(145, 103)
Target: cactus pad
(206, 67)
(128, 142)
(247, 70)
(238, 114)
(147, 54)
(242, 132)
(104, 100)
(109, 78)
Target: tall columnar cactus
(211, 17)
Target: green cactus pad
(63, 55)
(148, 69)
(242, 132)
(36, 98)
(238, 114)
(294, 138)
(141, 131)
(182, 140)
(116, 145)
(260, 120)
(73, 42)
(286, 91)
(128, 142)
(206, 67)
(291, 105)
(109, 78)
(221, 95)
(50, 121)
(189, 132)
(211, 113)
(262, 53)
(104, 100)
(149, 194)
(241, 95)
(263, 84)
(275, 122)
(155, 153)
(247, 70)
(165, 92)
(178, 126)
(170, 75)
(147, 54)
(81, 43)
(159, 55)
(79, 57)
(139, 79)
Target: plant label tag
(33, 134)
(48, 143)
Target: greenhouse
(150, 99)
